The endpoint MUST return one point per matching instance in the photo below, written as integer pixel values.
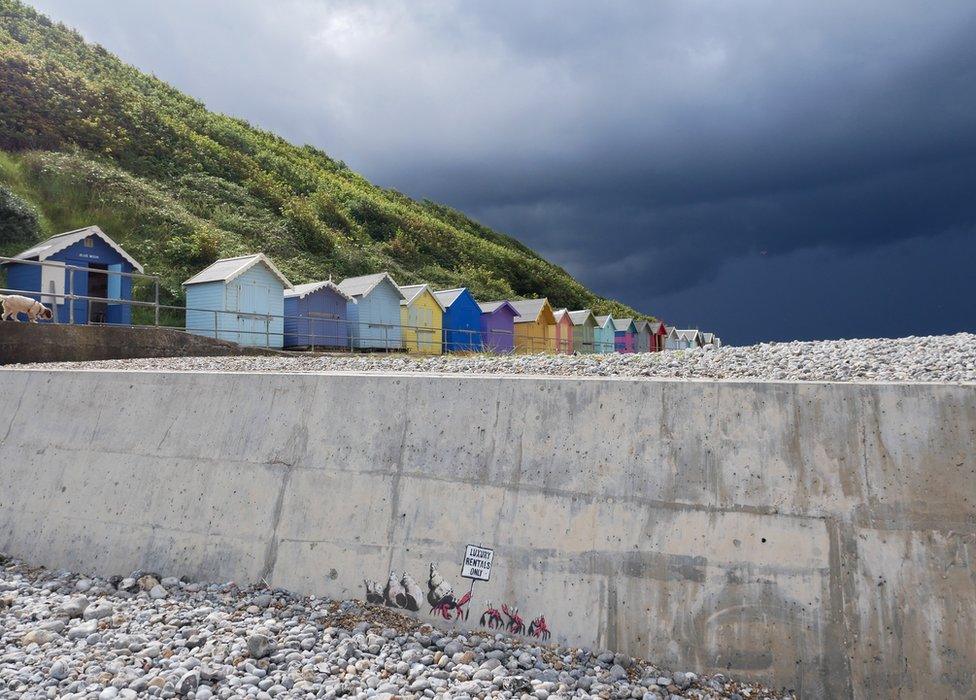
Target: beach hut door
(256, 301)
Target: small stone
(83, 630)
(209, 674)
(59, 670)
(74, 608)
(56, 626)
(188, 682)
(147, 582)
(157, 592)
(38, 636)
(98, 611)
(258, 645)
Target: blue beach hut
(89, 248)
(238, 299)
(315, 315)
(373, 312)
(462, 320)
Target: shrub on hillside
(18, 220)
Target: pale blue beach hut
(238, 299)
(373, 312)
(604, 335)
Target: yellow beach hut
(421, 319)
(535, 326)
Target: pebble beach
(949, 358)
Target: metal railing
(304, 332)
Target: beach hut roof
(529, 309)
(707, 337)
(689, 334)
(623, 324)
(602, 321)
(412, 292)
(580, 318)
(490, 307)
(55, 244)
(227, 269)
(446, 297)
(303, 290)
(365, 284)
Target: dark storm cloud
(656, 150)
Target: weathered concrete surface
(809, 535)
(51, 342)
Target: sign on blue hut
(238, 299)
(315, 316)
(101, 278)
(462, 320)
(373, 312)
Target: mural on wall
(403, 592)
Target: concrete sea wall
(818, 536)
(53, 342)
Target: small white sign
(477, 563)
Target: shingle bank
(925, 359)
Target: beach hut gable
(413, 292)
(229, 269)
(56, 244)
(303, 290)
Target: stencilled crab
(492, 617)
(443, 601)
(448, 603)
(516, 625)
(539, 628)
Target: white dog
(15, 304)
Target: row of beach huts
(248, 300)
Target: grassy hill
(86, 139)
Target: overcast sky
(767, 170)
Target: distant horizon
(760, 172)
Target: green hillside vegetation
(86, 139)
